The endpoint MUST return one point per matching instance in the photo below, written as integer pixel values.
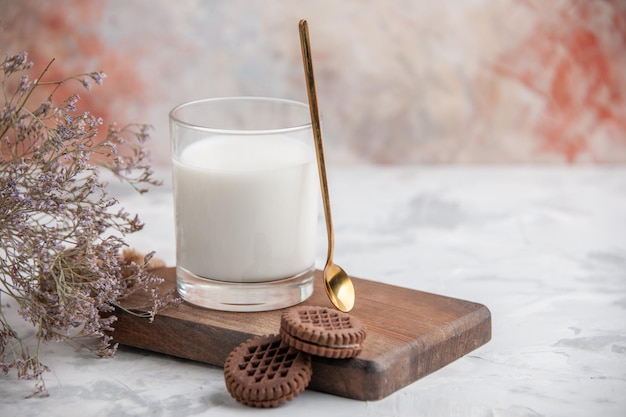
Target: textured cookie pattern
(322, 331)
(266, 372)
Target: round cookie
(322, 331)
(266, 372)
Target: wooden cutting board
(410, 335)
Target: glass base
(244, 297)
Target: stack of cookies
(267, 371)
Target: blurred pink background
(399, 81)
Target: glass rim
(177, 120)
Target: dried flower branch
(61, 234)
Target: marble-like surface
(399, 81)
(543, 248)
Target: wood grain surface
(410, 335)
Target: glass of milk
(246, 202)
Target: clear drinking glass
(246, 202)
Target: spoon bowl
(337, 283)
(339, 287)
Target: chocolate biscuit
(266, 372)
(322, 331)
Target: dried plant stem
(62, 236)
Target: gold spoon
(338, 285)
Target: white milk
(246, 208)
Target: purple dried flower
(16, 63)
(98, 77)
(56, 261)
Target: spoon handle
(317, 133)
